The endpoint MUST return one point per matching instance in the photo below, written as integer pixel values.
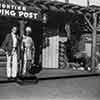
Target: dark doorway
(37, 38)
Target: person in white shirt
(29, 50)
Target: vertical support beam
(21, 30)
(21, 27)
(94, 41)
(44, 38)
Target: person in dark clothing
(10, 46)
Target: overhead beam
(89, 23)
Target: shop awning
(46, 6)
(65, 12)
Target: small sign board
(17, 11)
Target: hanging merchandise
(62, 54)
(54, 54)
(50, 53)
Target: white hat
(28, 29)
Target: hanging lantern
(44, 18)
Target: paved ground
(86, 88)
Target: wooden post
(44, 38)
(94, 29)
(94, 41)
(21, 27)
(21, 24)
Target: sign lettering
(17, 11)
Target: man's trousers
(12, 65)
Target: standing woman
(29, 50)
(10, 46)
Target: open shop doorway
(5, 28)
(36, 35)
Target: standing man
(10, 45)
(29, 50)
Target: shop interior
(72, 53)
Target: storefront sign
(16, 11)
